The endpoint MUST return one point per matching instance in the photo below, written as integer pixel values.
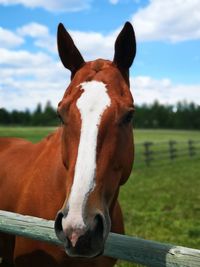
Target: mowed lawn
(35, 134)
(158, 136)
(159, 202)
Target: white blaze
(91, 104)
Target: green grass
(33, 134)
(141, 136)
(163, 204)
(159, 203)
(160, 145)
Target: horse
(74, 174)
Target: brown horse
(75, 172)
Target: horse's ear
(125, 48)
(68, 52)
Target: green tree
(4, 117)
(50, 116)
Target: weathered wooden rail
(137, 250)
(150, 152)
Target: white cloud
(40, 33)
(174, 21)
(8, 39)
(114, 2)
(51, 5)
(34, 30)
(24, 86)
(27, 78)
(146, 89)
(94, 45)
(91, 44)
(23, 58)
(27, 94)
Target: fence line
(148, 152)
(137, 250)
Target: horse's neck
(53, 139)
(49, 150)
(50, 146)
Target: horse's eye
(128, 116)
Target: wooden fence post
(148, 153)
(191, 148)
(172, 150)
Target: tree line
(183, 115)
(46, 116)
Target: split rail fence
(132, 249)
(149, 153)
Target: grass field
(35, 134)
(159, 203)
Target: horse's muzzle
(83, 243)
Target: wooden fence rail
(149, 152)
(137, 250)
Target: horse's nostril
(98, 229)
(82, 242)
(58, 221)
(58, 226)
(99, 223)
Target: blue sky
(166, 68)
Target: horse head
(97, 141)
